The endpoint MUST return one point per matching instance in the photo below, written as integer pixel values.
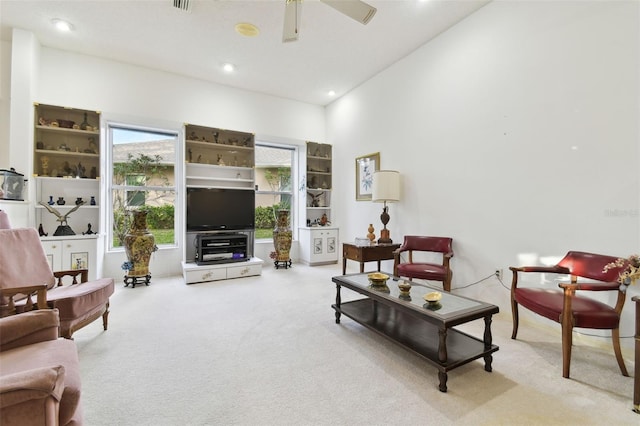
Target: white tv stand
(194, 273)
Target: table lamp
(386, 188)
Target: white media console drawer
(194, 273)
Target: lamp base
(384, 237)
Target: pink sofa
(39, 372)
(23, 265)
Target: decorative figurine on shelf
(67, 168)
(92, 145)
(84, 124)
(93, 174)
(45, 165)
(80, 169)
(51, 202)
(220, 160)
(324, 219)
(215, 136)
(79, 201)
(371, 235)
(315, 199)
(190, 155)
(41, 231)
(88, 231)
(64, 228)
(199, 160)
(193, 136)
(61, 201)
(93, 200)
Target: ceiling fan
(355, 9)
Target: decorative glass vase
(282, 236)
(139, 243)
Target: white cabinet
(72, 253)
(319, 245)
(194, 273)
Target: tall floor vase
(282, 237)
(139, 243)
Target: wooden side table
(636, 379)
(362, 254)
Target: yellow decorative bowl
(433, 297)
(378, 278)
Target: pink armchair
(39, 372)
(25, 269)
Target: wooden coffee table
(427, 330)
(362, 254)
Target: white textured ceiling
(333, 51)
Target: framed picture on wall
(365, 166)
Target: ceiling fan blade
(355, 9)
(291, 20)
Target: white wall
(482, 123)
(5, 88)
(152, 98)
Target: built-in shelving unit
(319, 238)
(66, 170)
(222, 159)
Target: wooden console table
(636, 379)
(362, 254)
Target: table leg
(338, 301)
(344, 264)
(379, 266)
(361, 267)
(443, 381)
(442, 357)
(488, 359)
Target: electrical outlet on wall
(498, 274)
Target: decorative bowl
(66, 124)
(378, 278)
(433, 297)
(404, 286)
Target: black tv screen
(213, 209)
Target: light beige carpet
(266, 351)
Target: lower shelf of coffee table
(415, 334)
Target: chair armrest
(28, 328)
(74, 273)
(9, 294)
(550, 269)
(598, 286)
(29, 385)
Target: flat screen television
(214, 209)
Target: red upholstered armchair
(425, 270)
(568, 304)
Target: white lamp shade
(386, 186)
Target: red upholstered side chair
(568, 304)
(425, 270)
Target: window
(142, 175)
(274, 189)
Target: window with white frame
(274, 165)
(142, 175)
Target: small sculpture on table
(371, 235)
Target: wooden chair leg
(514, 315)
(447, 281)
(105, 318)
(567, 342)
(615, 337)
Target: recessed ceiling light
(331, 93)
(62, 25)
(229, 68)
(247, 29)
